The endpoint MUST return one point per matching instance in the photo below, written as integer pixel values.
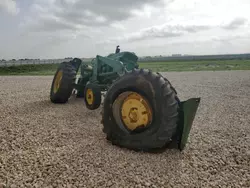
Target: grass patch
(49, 69)
(197, 65)
(40, 69)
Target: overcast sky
(84, 28)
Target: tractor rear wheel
(140, 111)
(63, 83)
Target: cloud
(166, 30)
(159, 31)
(49, 23)
(83, 18)
(222, 44)
(108, 11)
(65, 14)
(9, 6)
(236, 23)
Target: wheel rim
(57, 81)
(134, 111)
(89, 96)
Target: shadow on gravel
(167, 163)
(169, 147)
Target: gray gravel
(48, 145)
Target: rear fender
(76, 62)
(188, 111)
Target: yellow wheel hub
(136, 111)
(89, 96)
(57, 82)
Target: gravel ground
(48, 145)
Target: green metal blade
(189, 109)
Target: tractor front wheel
(92, 96)
(140, 111)
(63, 83)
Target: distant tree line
(3, 60)
(195, 58)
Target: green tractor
(140, 111)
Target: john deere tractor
(140, 108)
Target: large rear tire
(145, 119)
(63, 83)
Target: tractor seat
(89, 67)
